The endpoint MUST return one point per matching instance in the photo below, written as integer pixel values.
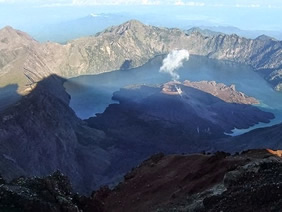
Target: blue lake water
(91, 94)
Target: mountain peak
(129, 25)
(134, 22)
(7, 30)
(9, 33)
(264, 38)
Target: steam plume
(174, 61)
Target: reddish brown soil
(161, 180)
(222, 91)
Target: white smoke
(174, 61)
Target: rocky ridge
(129, 45)
(41, 133)
(248, 181)
(163, 183)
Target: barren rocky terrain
(165, 183)
(126, 46)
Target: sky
(245, 14)
(200, 3)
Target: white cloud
(195, 3)
(189, 3)
(115, 2)
(248, 5)
(150, 2)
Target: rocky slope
(41, 134)
(222, 91)
(186, 106)
(125, 46)
(220, 182)
(52, 193)
(151, 119)
(20, 55)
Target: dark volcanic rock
(41, 134)
(165, 183)
(162, 180)
(268, 137)
(220, 182)
(52, 193)
(46, 194)
(152, 119)
(258, 189)
(176, 114)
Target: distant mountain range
(95, 22)
(252, 34)
(73, 29)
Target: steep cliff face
(132, 42)
(130, 45)
(23, 62)
(41, 134)
(137, 43)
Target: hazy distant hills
(73, 29)
(95, 22)
(252, 34)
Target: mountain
(198, 182)
(175, 117)
(21, 55)
(251, 34)
(41, 134)
(268, 137)
(51, 193)
(132, 44)
(248, 181)
(205, 32)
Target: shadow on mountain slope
(41, 134)
(268, 137)
(148, 118)
(8, 96)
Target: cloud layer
(173, 62)
(190, 3)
